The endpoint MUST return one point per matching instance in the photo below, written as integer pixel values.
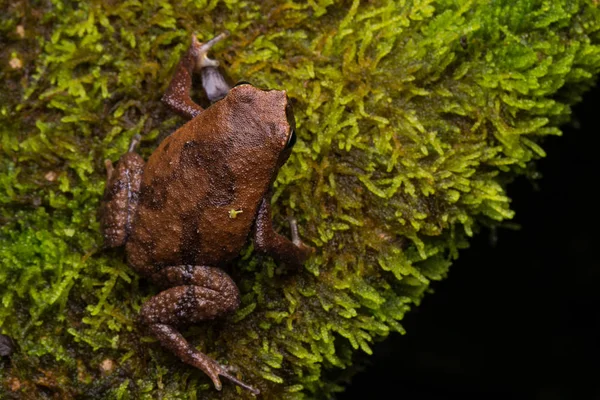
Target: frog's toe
(110, 169)
(201, 50)
(227, 372)
(214, 377)
(135, 142)
(214, 370)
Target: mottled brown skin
(121, 197)
(191, 208)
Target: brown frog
(189, 210)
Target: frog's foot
(201, 50)
(177, 96)
(306, 251)
(215, 370)
(266, 240)
(173, 340)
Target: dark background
(518, 320)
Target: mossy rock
(412, 118)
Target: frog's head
(262, 117)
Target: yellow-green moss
(412, 117)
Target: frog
(185, 214)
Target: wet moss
(412, 118)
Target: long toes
(227, 372)
(214, 376)
(201, 50)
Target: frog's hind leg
(177, 96)
(121, 196)
(196, 293)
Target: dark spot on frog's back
(190, 238)
(191, 155)
(154, 196)
(211, 158)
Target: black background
(518, 320)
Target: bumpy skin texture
(121, 198)
(175, 213)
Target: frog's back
(200, 191)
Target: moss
(413, 116)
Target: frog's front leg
(196, 293)
(268, 241)
(177, 96)
(121, 196)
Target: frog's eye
(289, 114)
(242, 83)
(291, 140)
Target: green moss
(413, 116)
